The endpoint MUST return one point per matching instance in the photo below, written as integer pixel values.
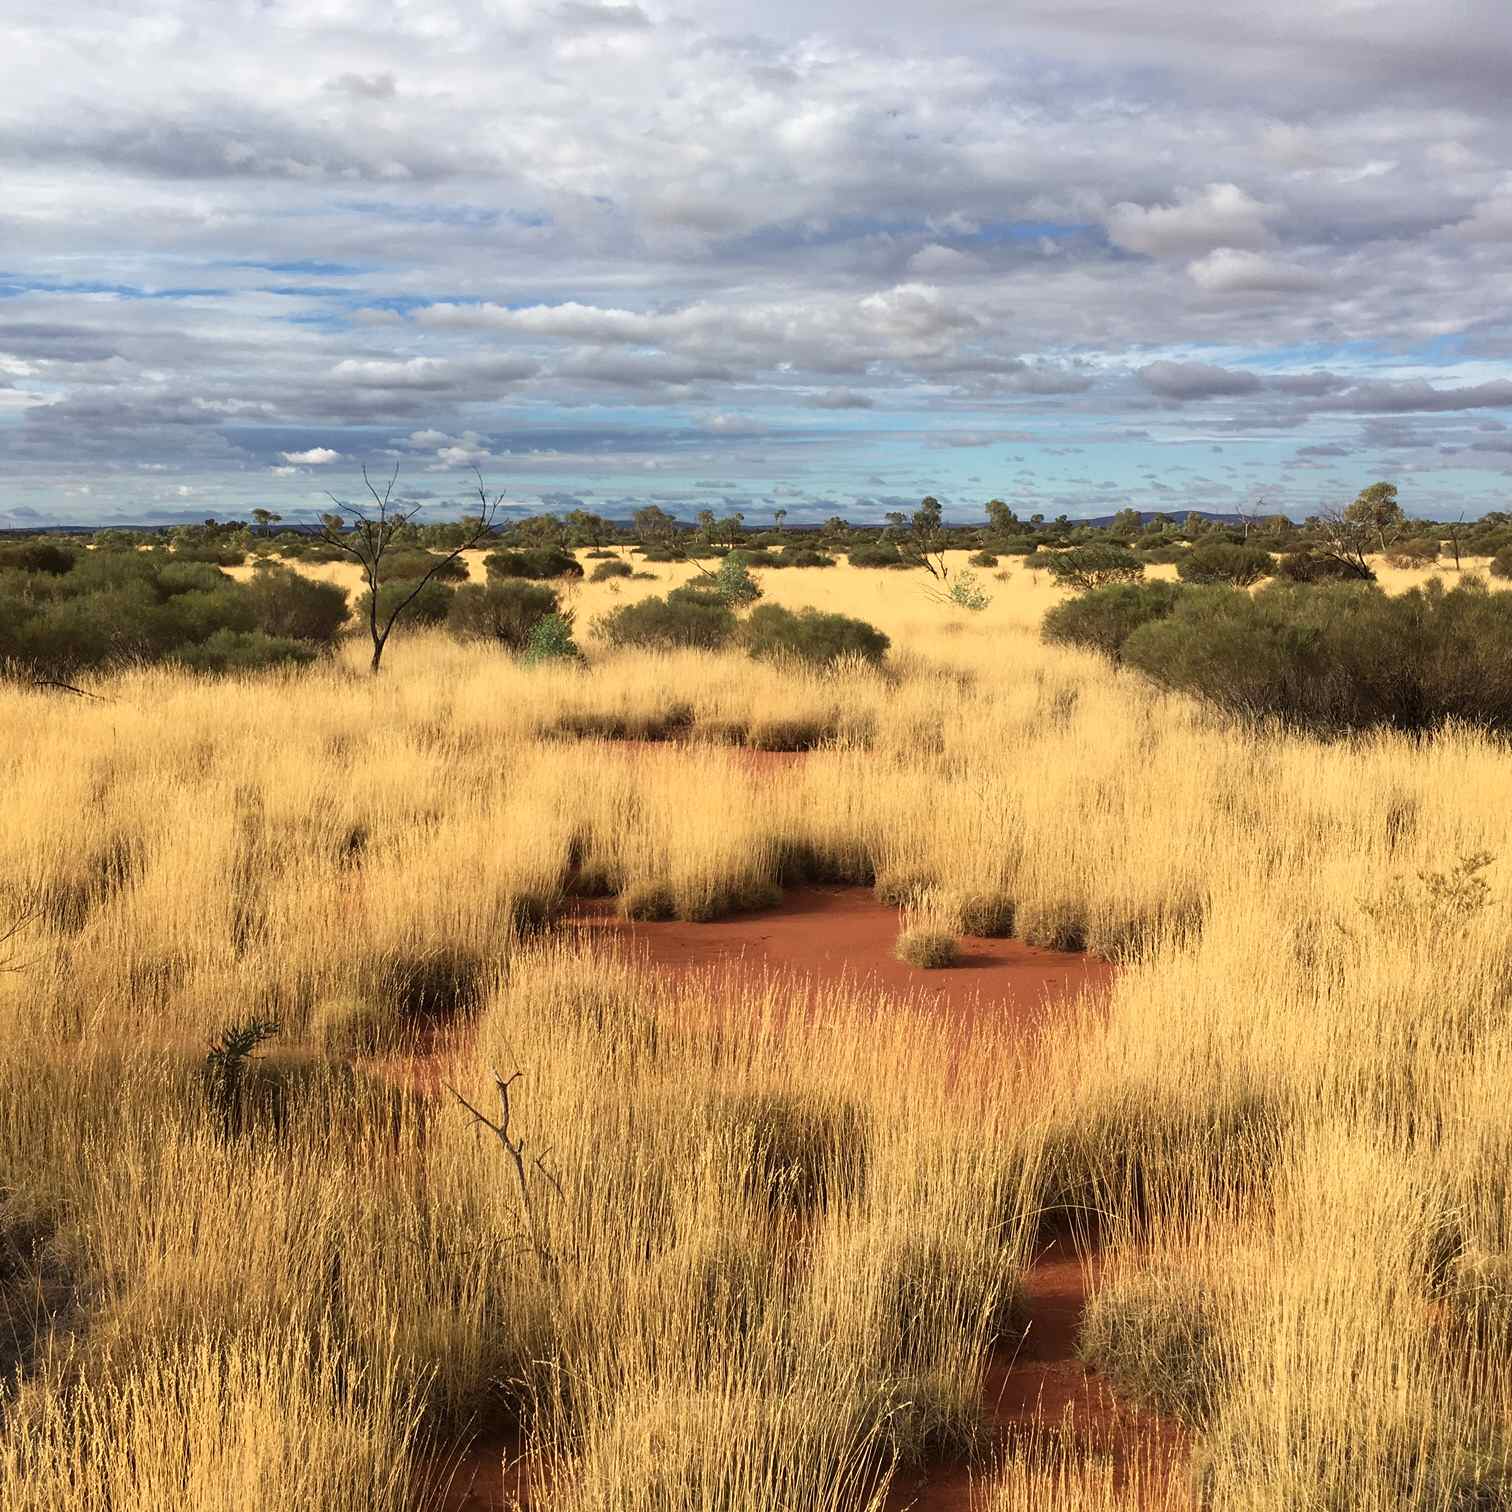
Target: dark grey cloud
(1181, 381)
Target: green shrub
(881, 554)
(540, 563)
(613, 568)
(734, 583)
(1420, 552)
(214, 556)
(289, 605)
(1086, 567)
(551, 640)
(1338, 657)
(983, 559)
(1237, 566)
(407, 565)
(810, 636)
(1501, 564)
(37, 556)
(430, 605)
(1310, 567)
(505, 611)
(804, 556)
(1103, 619)
(684, 619)
(244, 651)
(1019, 545)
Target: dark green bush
(1163, 555)
(1339, 657)
(1501, 564)
(37, 556)
(406, 566)
(1421, 552)
(1310, 567)
(687, 617)
(1237, 566)
(1019, 545)
(505, 611)
(1096, 566)
(805, 556)
(215, 556)
(430, 605)
(540, 563)
(614, 568)
(878, 555)
(983, 559)
(810, 636)
(551, 640)
(120, 606)
(244, 651)
(288, 605)
(1103, 619)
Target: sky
(822, 258)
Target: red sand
(823, 935)
(828, 934)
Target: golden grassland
(778, 1239)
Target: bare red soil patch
(826, 936)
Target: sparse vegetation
(789, 1223)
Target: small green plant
(1086, 567)
(226, 1067)
(734, 583)
(966, 592)
(551, 640)
(1441, 902)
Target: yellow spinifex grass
(776, 1233)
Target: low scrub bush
(804, 556)
(684, 619)
(1501, 564)
(734, 583)
(983, 559)
(613, 568)
(37, 556)
(505, 611)
(429, 606)
(1312, 567)
(1421, 552)
(290, 605)
(1018, 545)
(1086, 567)
(1105, 618)
(408, 565)
(1236, 566)
(540, 563)
(811, 636)
(1338, 657)
(879, 555)
(551, 640)
(123, 606)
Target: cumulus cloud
(1221, 215)
(1229, 270)
(316, 456)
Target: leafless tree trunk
(366, 533)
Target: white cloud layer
(776, 246)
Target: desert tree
(1373, 522)
(778, 516)
(369, 533)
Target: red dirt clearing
(829, 935)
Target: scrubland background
(775, 1238)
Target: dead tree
(367, 534)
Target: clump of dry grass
(927, 936)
